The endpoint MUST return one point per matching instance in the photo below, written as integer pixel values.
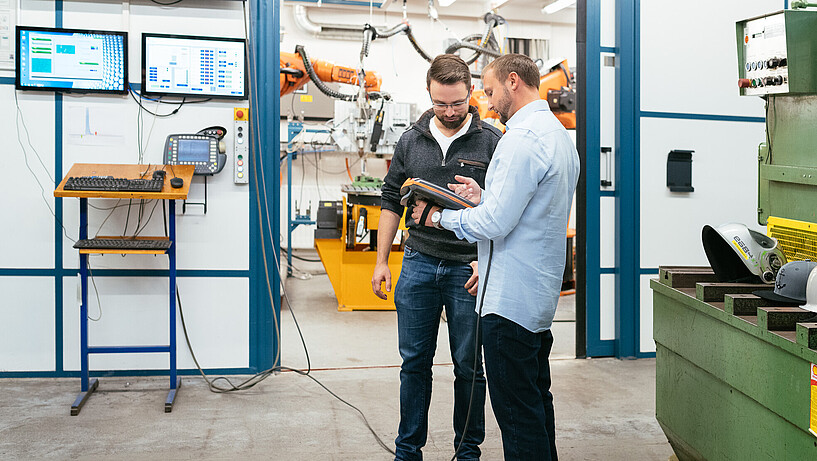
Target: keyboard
(122, 244)
(109, 183)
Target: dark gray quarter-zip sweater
(417, 155)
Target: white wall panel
(689, 56)
(608, 306)
(607, 10)
(607, 231)
(27, 319)
(646, 343)
(28, 225)
(135, 312)
(724, 175)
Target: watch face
(435, 217)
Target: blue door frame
(627, 270)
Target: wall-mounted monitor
(85, 61)
(183, 65)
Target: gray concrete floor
(604, 407)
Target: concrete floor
(604, 407)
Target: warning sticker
(813, 419)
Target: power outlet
(241, 145)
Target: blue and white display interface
(71, 60)
(199, 66)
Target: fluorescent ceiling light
(558, 5)
(444, 3)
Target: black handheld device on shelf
(201, 150)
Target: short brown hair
(519, 63)
(448, 69)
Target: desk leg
(83, 397)
(171, 396)
(86, 388)
(171, 253)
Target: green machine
(735, 375)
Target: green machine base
(732, 371)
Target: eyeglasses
(453, 105)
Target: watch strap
(424, 216)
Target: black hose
(491, 48)
(416, 45)
(479, 50)
(402, 27)
(317, 81)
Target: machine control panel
(765, 63)
(774, 53)
(241, 145)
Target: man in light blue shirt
(520, 225)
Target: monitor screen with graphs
(181, 65)
(87, 61)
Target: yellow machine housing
(350, 265)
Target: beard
(452, 123)
(503, 107)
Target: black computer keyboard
(122, 244)
(109, 183)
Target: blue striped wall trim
(645, 355)
(608, 49)
(710, 117)
(608, 270)
(607, 193)
(189, 273)
(6, 80)
(114, 373)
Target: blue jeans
(516, 362)
(427, 284)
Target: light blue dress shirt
(524, 209)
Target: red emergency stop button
(744, 83)
(239, 114)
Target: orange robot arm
(294, 75)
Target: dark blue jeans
(427, 284)
(516, 362)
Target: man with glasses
(447, 142)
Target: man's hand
(467, 188)
(419, 207)
(473, 282)
(382, 274)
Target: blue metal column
(83, 307)
(627, 179)
(265, 227)
(171, 253)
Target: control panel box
(775, 53)
(241, 145)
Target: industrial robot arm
(297, 69)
